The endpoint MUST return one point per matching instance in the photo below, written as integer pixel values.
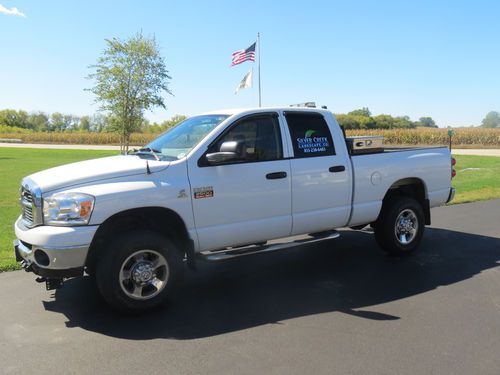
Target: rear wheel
(400, 226)
(139, 271)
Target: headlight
(67, 209)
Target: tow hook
(26, 266)
(51, 284)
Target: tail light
(453, 172)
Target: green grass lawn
(15, 163)
(478, 178)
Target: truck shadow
(347, 275)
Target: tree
(384, 121)
(130, 77)
(71, 122)
(98, 123)
(11, 117)
(165, 125)
(361, 112)
(38, 121)
(84, 124)
(492, 120)
(427, 122)
(57, 122)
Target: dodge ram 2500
(217, 186)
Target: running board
(235, 252)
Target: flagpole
(258, 45)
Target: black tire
(139, 251)
(403, 216)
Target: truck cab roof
(242, 111)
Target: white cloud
(11, 11)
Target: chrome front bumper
(50, 251)
(58, 258)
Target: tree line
(363, 119)
(60, 122)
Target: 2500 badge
(203, 192)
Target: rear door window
(310, 134)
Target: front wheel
(400, 226)
(139, 271)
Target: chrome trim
(406, 226)
(24, 252)
(144, 274)
(61, 257)
(451, 195)
(31, 203)
(224, 254)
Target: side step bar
(235, 252)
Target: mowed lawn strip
(16, 163)
(478, 178)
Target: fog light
(42, 258)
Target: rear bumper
(451, 195)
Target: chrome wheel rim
(406, 226)
(144, 274)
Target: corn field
(480, 137)
(426, 136)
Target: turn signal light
(453, 173)
(453, 161)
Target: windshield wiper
(149, 151)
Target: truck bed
(393, 149)
(375, 173)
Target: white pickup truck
(217, 186)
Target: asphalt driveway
(342, 307)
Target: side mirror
(228, 152)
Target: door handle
(337, 168)
(275, 175)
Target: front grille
(28, 214)
(27, 206)
(31, 203)
(26, 195)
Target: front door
(248, 200)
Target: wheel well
(413, 188)
(158, 219)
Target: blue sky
(420, 58)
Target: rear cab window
(310, 134)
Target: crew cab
(220, 185)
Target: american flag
(243, 55)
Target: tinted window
(310, 135)
(259, 138)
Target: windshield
(176, 142)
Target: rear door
(245, 201)
(321, 175)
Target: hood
(87, 171)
